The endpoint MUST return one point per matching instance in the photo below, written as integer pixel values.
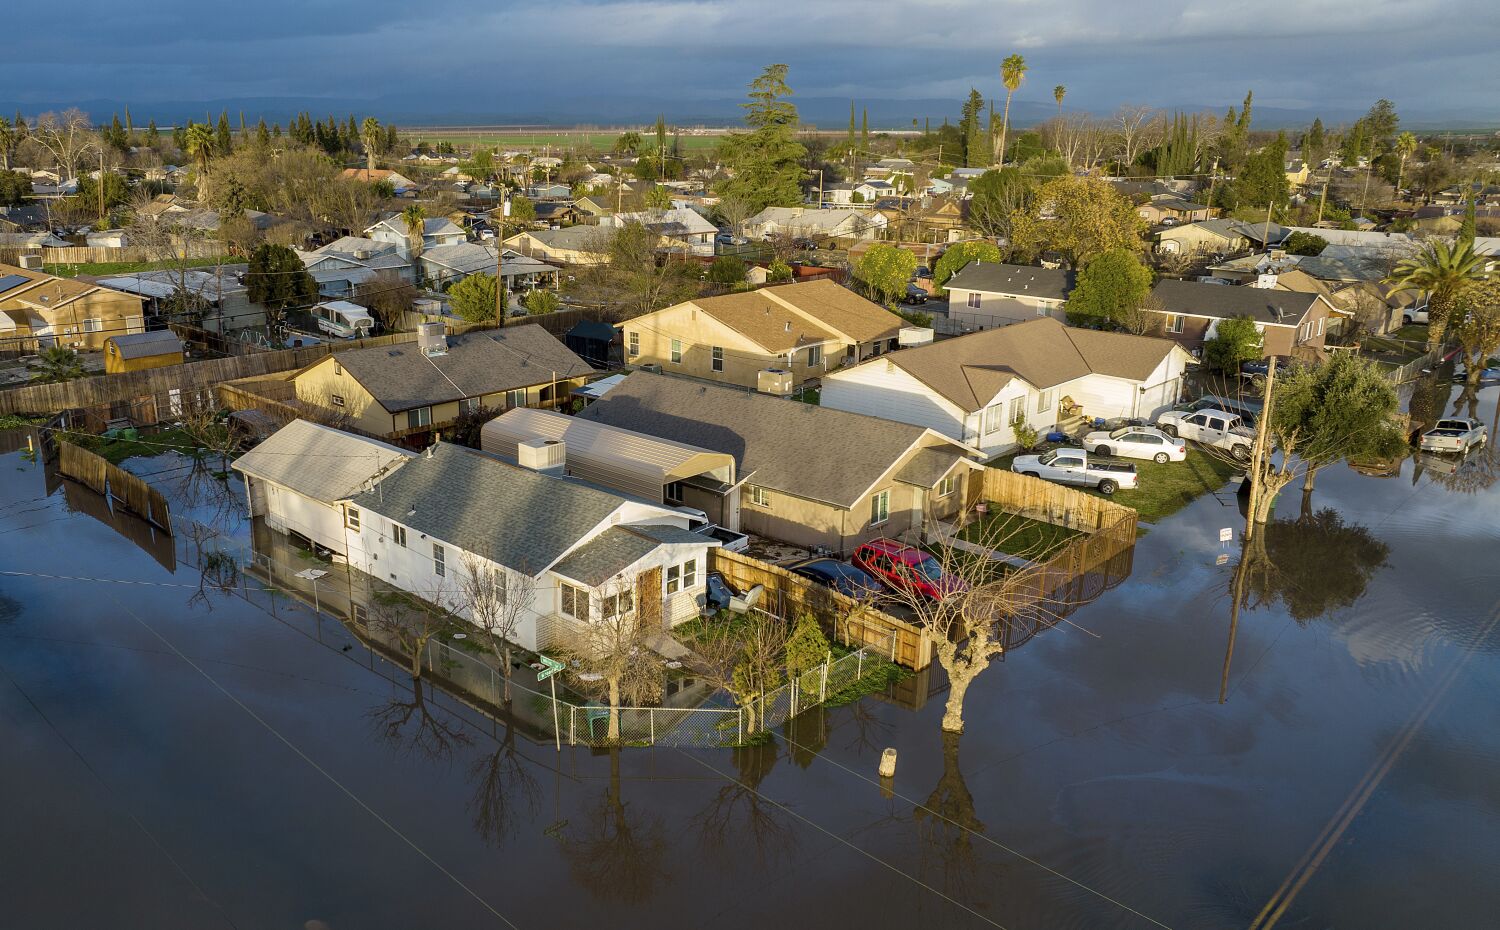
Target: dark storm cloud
(1432, 58)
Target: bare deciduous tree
(746, 658)
(389, 296)
(612, 655)
(502, 783)
(1137, 128)
(411, 621)
(68, 136)
(496, 600)
(415, 728)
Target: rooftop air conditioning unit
(432, 339)
(31, 262)
(362, 254)
(1265, 281)
(549, 456)
(914, 336)
(776, 381)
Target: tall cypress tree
(223, 140)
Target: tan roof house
(804, 329)
(50, 310)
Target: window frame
(336, 399)
(398, 535)
(421, 415)
(633, 344)
(689, 574)
(1044, 400)
(947, 485)
(671, 493)
(469, 405)
(439, 560)
(1016, 410)
(351, 518)
(880, 507)
(974, 300)
(621, 603)
(672, 580)
(1176, 323)
(569, 599)
(760, 496)
(510, 398)
(815, 356)
(716, 362)
(675, 352)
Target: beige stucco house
(38, 309)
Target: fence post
(740, 718)
(894, 636)
(823, 688)
(572, 725)
(651, 716)
(861, 663)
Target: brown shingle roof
(790, 316)
(971, 369)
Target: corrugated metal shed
(607, 455)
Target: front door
(648, 598)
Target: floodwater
(184, 759)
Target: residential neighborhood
(1059, 491)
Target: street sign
(1223, 559)
(311, 574)
(1226, 535)
(551, 667)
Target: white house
(975, 388)
(436, 231)
(808, 221)
(681, 225)
(982, 295)
(298, 478)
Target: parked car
(906, 568)
(1219, 429)
(1137, 442)
(1414, 315)
(922, 272)
(914, 295)
(1245, 408)
(1073, 466)
(1456, 434)
(844, 578)
(805, 243)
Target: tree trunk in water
(416, 657)
(614, 708)
(1264, 500)
(953, 711)
(506, 661)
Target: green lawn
(118, 450)
(100, 269)
(1030, 539)
(1165, 489)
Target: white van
(343, 320)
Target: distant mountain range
(415, 109)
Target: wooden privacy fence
(848, 621)
(1050, 503)
(98, 473)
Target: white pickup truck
(1210, 427)
(1458, 434)
(1072, 466)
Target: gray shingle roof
(800, 449)
(605, 556)
(1014, 280)
(517, 517)
(927, 467)
(319, 462)
(140, 345)
(400, 377)
(1263, 305)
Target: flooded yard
(1327, 755)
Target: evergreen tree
(262, 134)
(1243, 126)
(976, 153)
(152, 133)
(767, 160)
(851, 125)
(222, 142)
(276, 131)
(864, 129)
(129, 125)
(1314, 143)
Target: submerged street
(179, 757)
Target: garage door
(1158, 397)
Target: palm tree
(1440, 271)
(416, 228)
(1406, 144)
(371, 135)
(1058, 93)
(1012, 71)
(58, 363)
(199, 142)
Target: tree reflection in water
(413, 727)
(948, 828)
(620, 854)
(738, 815)
(504, 791)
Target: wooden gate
(648, 598)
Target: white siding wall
(880, 389)
(288, 511)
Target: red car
(906, 568)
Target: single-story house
(812, 222)
(813, 476)
(574, 552)
(1162, 208)
(683, 228)
(344, 264)
(447, 264)
(299, 477)
(572, 245)
(983, 295)
(436, 231)
(653, 469)
(226, 300)
(411, 389)
(399, 182)
(975, 388)
(1218, 235)
(139, 351)
(798, 331)
(1292, 322)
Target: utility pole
(101, 183)
(1213, 178)
(1265, 238)
(1323, 196)
(1258, 453)
(500, 259)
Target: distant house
(139, 351)
(1293, 323)
(1172, 209)
(31, 241)
(401, 391)
(1297, 173)
(344, 264)
(810, 222)
(436, 231)
(549, 192)
(795, 331)
(572, 245)
(449, 263)
(890, 167)
(983, 295)
(225, 301)
(811, 475)
(298, 479)
(39, 310)
(682, 228)
(975, 388)
(555, 213)
(1219, 235)
(399, 182)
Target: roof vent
(788, 326)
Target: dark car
(915, 295)
(922, 272)
(840, 576)
(805, 243)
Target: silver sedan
(1136, 442)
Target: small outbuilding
(139, 351)
(590, 340)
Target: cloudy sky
(591, 59)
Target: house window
(760, 496)
(673, 493)
(439, 560)
(93, 326)
(674, 579)
(351, 518)
(992, 421)
(718, 358)
(973, 300)
(468, 405)
(422, 416)
(360, 613)
(338, 369)
(336, 399)
(880, 508)
(814, 356)
(1044, 402)
(1320, 327)
(514, 399)
(947, 486)
(1017, 409)
(690, 574)
(575, 601)
(634, 341)
(619, 604)
(676, 351)
(1174, 323)
(398, 535)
